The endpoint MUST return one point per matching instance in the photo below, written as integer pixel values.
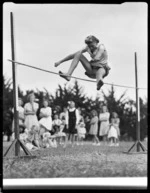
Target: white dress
(46, 121)
(31, 120)
(81, 130)
(104, 123)
(112, 132)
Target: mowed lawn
(78, 161)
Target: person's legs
(81, 140)
(117, 143)
(66, 140)
(78, 57)
(78, 139)
(70, 138)
(115, 140)
(97, 140)
(93, 139)
(104, 139)
(99, 77)
(73, 139)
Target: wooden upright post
(15, 89)
(138, 143)
(137, 105)
(16, 143)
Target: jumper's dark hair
(91, 39)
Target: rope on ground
(20, 63)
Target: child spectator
(24, 135)
(63, 114)
(72, 120)
(81, 131)
(87, 126)
(104, 123)
(46, 121)
(94, 127)
(56, 123)
(32, 137)
(48, 140)
(63, 133)
(114, 131)
(63, 127)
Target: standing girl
(31, 121)
(104, 122)
(64, 126)
(45, 115)
(72, 120)
(96, 68)
(81, 131)
(94, 127)
(114, 131)
(30, 110)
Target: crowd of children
(66, 127)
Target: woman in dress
(30, 110)
(31, 121)
(114, 131)
(46, 119)
(104, 123)
(96, 68)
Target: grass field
(78, 161)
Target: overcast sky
(45, 33)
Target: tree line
(123, 106)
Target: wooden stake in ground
(138, 143)
(17, 143)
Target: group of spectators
(69, 126)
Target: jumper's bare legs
(76, 58)
(80, 57)
(99, 77)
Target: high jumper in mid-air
(97, 68)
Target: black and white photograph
(75, 102)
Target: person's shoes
(65, 76)
(57, 64)
(117, 144)
(99, 84)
